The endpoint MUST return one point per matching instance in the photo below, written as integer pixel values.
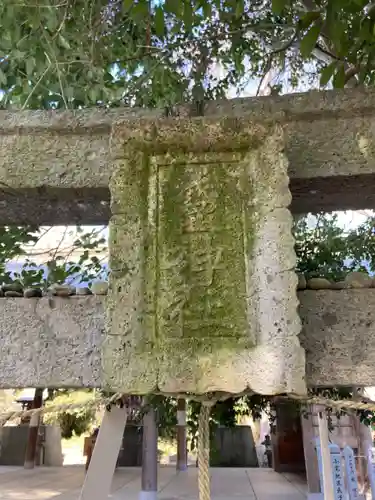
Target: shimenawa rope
(204, 450)
(344, 404)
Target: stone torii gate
(202, 297)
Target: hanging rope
(204, 450)
(340, 404)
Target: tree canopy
(73, 53)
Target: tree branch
(350, 80)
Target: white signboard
(337, 472)
(338, 481)
(320, 463)
(371, 470)
(351, 474)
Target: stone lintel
(194, 135)
(60, 347)
(55, 167)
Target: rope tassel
(204, 451)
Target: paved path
(63, 483)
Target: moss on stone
(198, 135)
(190, 255)
(203, 218)
(185, 234)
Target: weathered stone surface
(12, 287)
(202, 287)
(318, 284)
(62, 290)
(12, 293)
(338, 336)
(338, 285)
(55, 347)
(357, 279)
(83, 290)
(61, 346)
(59, 163)
(32, 293)
(99, 287)
(301, 282)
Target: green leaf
(206, 8)
(327, 73)
(63, 42)
(363, 74)
(339, 78)
(128, 4)
(309, 18)
(69, 92)
(140, 10)
(159, 21)
(309, 41)
(93, 94)
(51, 19)
(18, 55)
(30, 65)
(3, 78)
(174, 7)
(278, 6)
(240, 8)
(188, 14)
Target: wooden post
(364, 439)
(326, 458)
(351, 474)
(311, 461)
(32, 438)
(371, 470)
(149, 488)
(181, 463)
(88, 449)
(98, 480)
(275, 436)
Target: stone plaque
(202, 290)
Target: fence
(337, 469)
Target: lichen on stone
(204, 229)
(202, 283)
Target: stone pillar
(182, 452)
(149, 457)
(32, 439)
(200, 211)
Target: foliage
(81, 262)
(326, 249)
(75, 421)
(69, 54)
(12, 240)
(166, 412)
